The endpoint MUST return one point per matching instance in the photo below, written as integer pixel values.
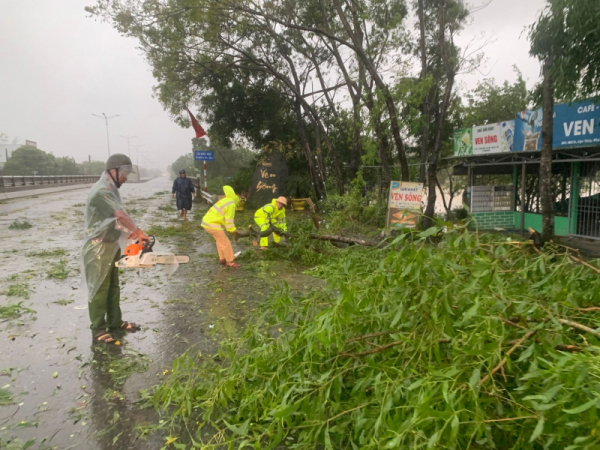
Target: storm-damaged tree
(448, 16)
(565, 39)
(351, 21)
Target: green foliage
(568, 33)
(397, 352)
(299, 185)
(26, 159)
(14, 311)
(58, 270)
(18, 290)
(490, 103)
(5, 397)
(20, 225)
(227, 161)
(242, 179)
(95, 168)
(64, 302)
(355, 210)
(48, 253)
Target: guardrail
(14, 183)
(201, 192)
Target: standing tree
(565, 39)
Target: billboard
(493, 138)
(528, 131)
(575, 125)
(31, 143)
(404, 205)
(463, 142)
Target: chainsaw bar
(150, 260)
(170, 259)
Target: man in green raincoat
(107, 229)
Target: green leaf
(429, 232)
(285, 412)
(527, 353)
(242, 430)
(581, 408)
(475, 378)
(537, 431)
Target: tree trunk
(425, 106)
(389, 100)
(375, 115)
(546, 187)
(355, 149)
(306, 148)
(432, 168)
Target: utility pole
(106, 119)
(129, 138)
(137, 156)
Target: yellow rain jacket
(269, 214)
(222, 213)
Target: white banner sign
(493, 138)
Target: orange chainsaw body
(133, 249)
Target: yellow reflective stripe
(220, 208)
(213, 226)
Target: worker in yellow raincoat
(220, 218)
(271, 214)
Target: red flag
(197, 127)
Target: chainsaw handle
(147, 245)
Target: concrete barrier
(19, 186)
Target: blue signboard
(204, 156)
(575, 125)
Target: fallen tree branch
(267, 232)
(372, 351)
(385, 347)
(581, 261)
(508, 353)
(516, 325)
(346, 240)
(579, 326)
(568, 348)
(367, 336)
(510, 419)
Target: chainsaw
(141, 255)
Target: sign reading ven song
(269, 180)
(404, 206)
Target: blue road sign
(204, 156)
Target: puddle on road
(58, 389)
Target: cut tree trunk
(332, 238)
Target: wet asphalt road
(64, 392)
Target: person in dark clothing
(184, 188)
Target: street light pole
(137, 156)
(106, 119)
(129, 138)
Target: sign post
(204, 156)
(404, 206)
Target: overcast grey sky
(58, 67)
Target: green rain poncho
(104, 234)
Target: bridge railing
(201, 193)
(12, 183)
